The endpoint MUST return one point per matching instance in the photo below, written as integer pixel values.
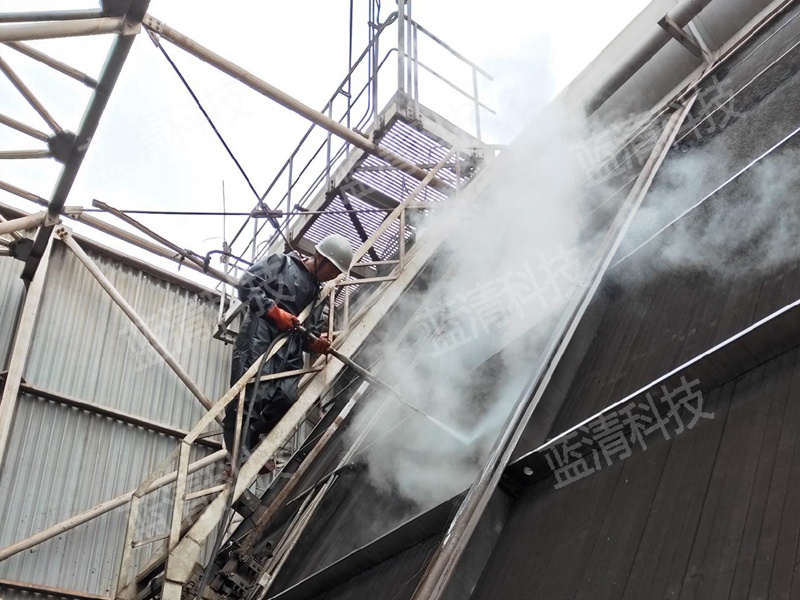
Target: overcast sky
(154, 150)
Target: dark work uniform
(283, 280)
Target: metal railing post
(477, 104)
(401, 45)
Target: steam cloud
(747, 224)
(531, 204)
(523, 213)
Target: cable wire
(163, 50)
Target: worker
(275, 291)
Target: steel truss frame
(70, 149)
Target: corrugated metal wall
(11, 294)
(62, 461)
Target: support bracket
(685, 38)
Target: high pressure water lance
(373, 379)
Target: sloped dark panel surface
(710, 513)
(395, 578)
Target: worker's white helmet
(336, 248)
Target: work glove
(284, 320)
(320, 345)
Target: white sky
(154, 150)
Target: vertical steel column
(376, 59)
(289, 196)
(328, 153)
(255, 241)
(19, 354)
(415, 53)
(401, 241)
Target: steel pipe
(102, 509)
(21, 32)
(28, 95)
(12, 189)
(116, 254)
(65, 236)
(23, 128)
(24, 154)
(91, 118)
(285, 100)
(53, 63)
(22, 223)
(654, 41)
(50, 15)
(224, 277)
(126, 236)
(14, 234)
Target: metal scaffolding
(400, 160)
(407, 162)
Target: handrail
(314, 186)
(336, 150)
(389, 20)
